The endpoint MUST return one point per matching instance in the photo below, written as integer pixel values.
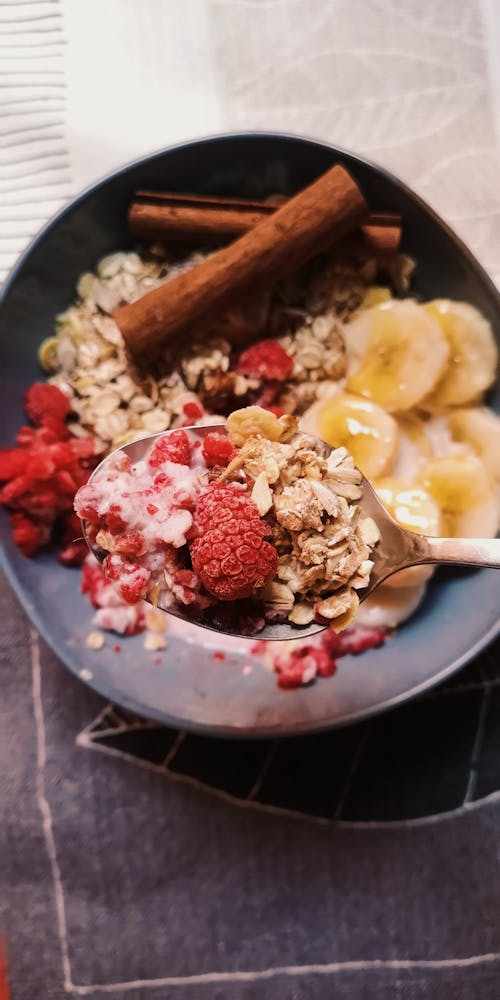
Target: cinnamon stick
(279, 244)
(160, 215)
(211, 220)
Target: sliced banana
(473, 354)
(481, 521)
(479, 427)
(397, 353)
(415, 509)
(375, 295)
(414, 446)
(389, 607)
(461, 485)
(368, 433)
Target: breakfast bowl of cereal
(233, 273)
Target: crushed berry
(42, 474)
(193, 410)
(310, 661)
(43, 400)
(266, 359)
(27, 535)
(173, 447)
(218, 449)
(12, 463)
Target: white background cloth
(88, 84)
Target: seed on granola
(261, 494)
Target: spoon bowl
(396, 549)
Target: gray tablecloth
(141, 863)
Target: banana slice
(389, 607)
(398, 352)
(375, 295)
(479, 428)
(415, 509)
(414, 446)
(465, 492)
(368, 433)
(473, 353)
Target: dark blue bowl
(191, 689)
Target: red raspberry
(354, 640)
(161, 481)
(17, 487)
(130, 543)
(27, 535)
(266, 359)
(193, 410)
(43, 400)
(86, 504)
(39, 466)
(229, 552)
(58, 429)
(93, 580)
(114, 523)
(26, 436)
(12, 462)
(132, 579)
(73, 554)
(302, 666)
(186, 578)
(218, 449)
(173, 447)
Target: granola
(311, 499)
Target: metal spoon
(397, 549)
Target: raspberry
(93, 580)
(354, 640)
(17, 487)
(130, 543)
(58, 429)
(12, 462)
(86, 503)
(218, 449)
(73, 554)
(302, 666)
(132, 578)
(43, 400)
(193, 410)
(266, 359)
(173, 447)
(27, 535)
(161, 481)
(229, 551)
(114, 523)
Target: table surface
(360, 863)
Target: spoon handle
(464, 551)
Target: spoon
(397, 548)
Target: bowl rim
(10, 573)
(221, 137)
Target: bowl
(192, 686)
